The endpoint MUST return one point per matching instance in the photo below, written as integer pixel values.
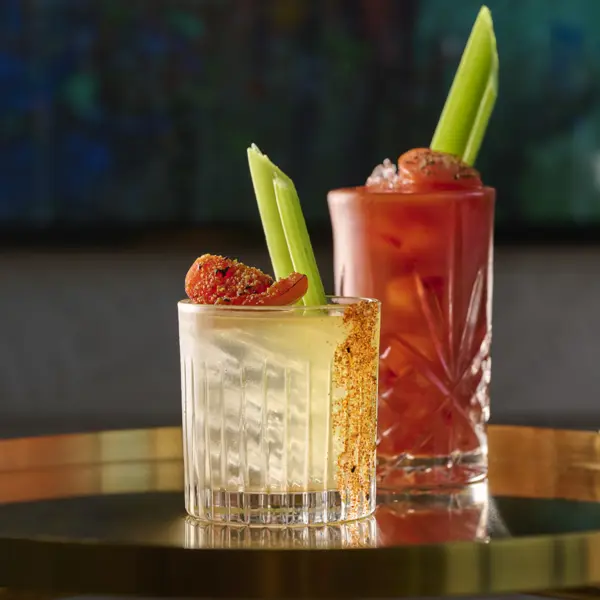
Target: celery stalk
(481, 120)
(263, 171)
(298, 240)
(471, 100)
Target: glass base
(430, 472)
(283, 509)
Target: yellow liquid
(260, 400)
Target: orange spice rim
(334, 302)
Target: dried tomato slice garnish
(425, 170)
(285, 291)
(220, 280)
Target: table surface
(103, 513)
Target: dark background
(123, 130)
(138, 113)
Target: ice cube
(384, 176)
(401, 295)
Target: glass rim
(186, 305)
(351, 190)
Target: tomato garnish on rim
(220, 280)
(424, 170)
(282, 293)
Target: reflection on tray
(400, 519)
(433, 518)
(356, 534)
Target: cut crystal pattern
(434, 398)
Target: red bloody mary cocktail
(420, 239)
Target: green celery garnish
(284, 225)
(263, 172)
(471, 100)
(298, 240)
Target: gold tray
(102, 513)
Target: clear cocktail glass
(428, 258)
(279, 411)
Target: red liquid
(428, 258)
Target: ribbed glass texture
(261, 441)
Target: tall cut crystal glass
(279, 411)
(428, 258)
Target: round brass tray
(103, 513)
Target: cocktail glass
(428, 258)
(279, 411)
